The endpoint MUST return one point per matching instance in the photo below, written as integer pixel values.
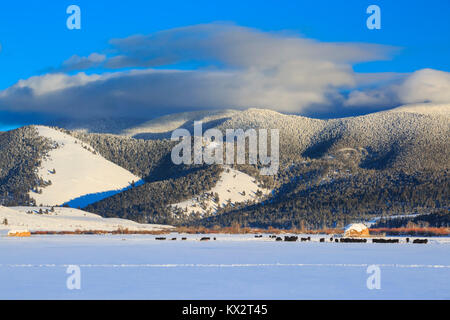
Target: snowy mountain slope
(390, 162)
(162, 127)
(395, 161)
(414, 137)
(396, 137)
(21, 151)
(414, 141)
(233, 187)
(425, 108)
(65, 219)
(75, 170)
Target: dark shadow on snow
(91, 198)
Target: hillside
(380, 140)
(162, 127)
(424, 108)
(331, 171)
(150, 202)
(21, 152)
(72, 170)
(64, 219)
(233, 187)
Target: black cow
(420, 241)
(385, 240)
(353, 240)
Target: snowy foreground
(233, 267)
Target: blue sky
(34, 37)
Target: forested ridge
(331, 171)
(21, 151)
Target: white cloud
(77, 63)
(235, 46)
(425, 85)
(48, 83)
(235, 67)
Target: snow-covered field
(233, 267)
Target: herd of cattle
(184, 238)
(350, 240)
(331, 239)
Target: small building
(19, 233)
(356, 230)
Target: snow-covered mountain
(74, 172)
(384, 163)
(424, 108)
(162, 127)
(232, 187)
(398, 136)
(65, 219)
